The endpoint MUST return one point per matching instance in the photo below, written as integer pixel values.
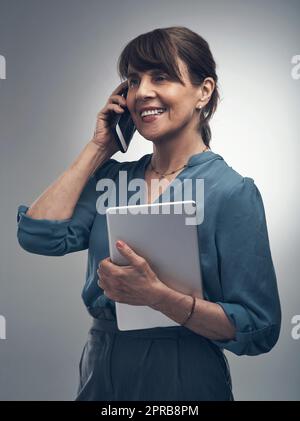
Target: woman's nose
(145, 90)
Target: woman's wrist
(173, 304)
(190, 313)
(92, 157)
(106, 150)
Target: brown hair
(159, 49)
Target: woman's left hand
(134, 284)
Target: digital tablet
(160, 233)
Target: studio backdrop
(58, 65)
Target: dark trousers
(166, 364)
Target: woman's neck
(167, 156)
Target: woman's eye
(158, 77)
(131, 81)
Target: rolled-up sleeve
(59, 237)
(247, 275)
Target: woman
(171, 69)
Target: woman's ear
(205, 91)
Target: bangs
(153, 50)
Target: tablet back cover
(159, 234)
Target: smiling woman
(170, 69)
(173, 59)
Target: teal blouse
(237, 268)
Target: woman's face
(156, 89)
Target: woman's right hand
(103, 135)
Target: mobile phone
(123, 128)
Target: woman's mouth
(152, 116)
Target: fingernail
(119, 244)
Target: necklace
(162, 175)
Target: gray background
(61, 67)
